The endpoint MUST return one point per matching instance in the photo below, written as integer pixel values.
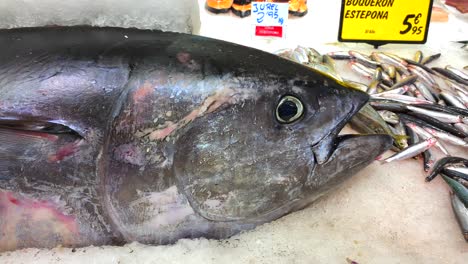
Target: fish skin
(175, 137)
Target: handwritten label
(269, 18)
(385, 21)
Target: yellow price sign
(385, 21)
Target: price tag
(385, 21)
(270, 18)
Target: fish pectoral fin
(352, 153)
(324, 149)
(28, 144)
(39, 126)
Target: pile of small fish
(421, 107)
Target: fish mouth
(350, 154)
(325, 147)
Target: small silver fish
(443, 117)
(364, 59)
(447, 137)
(418, 56)
(340, 55)
(457, 72)
(461, 126)
(461, 213)
(425, 135)
(361, 69)
(404, 99)
(452, 99)
(425, 91)
(413, 150)
(430, 59)
(389, 117)
(405, 81)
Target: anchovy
(429, 59)
(389, 117)
(452, 100)
(463, 97)
(456, 86)
(450, 75)
(364, 59)
(423, 75)
(413, 138)
(460, 172)
(439, 108)
(457, 72)
(418, 56)
(356, 85)
(340, 55)
(403, 98)
(426, 91)
(327, 60)
(398, 90)
(441, 163)
(389, 105)
(373, 87)
(299, 56)
(447, 137)
(462, 127)
(461, 214)
(435, 123)
(425, 135)
(443, 117)
(428, 160)
(378, 74)
(422, 66)
(405, 81)
(384, 87)
(390, 70)
(413, 150)
(458, 189)
(361, 69)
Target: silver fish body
(412, 151)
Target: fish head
(272, 151)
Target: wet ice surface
(167, 15)
(385, 214)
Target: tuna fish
(112, 135)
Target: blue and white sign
(270, 18)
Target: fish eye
(289, 109)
